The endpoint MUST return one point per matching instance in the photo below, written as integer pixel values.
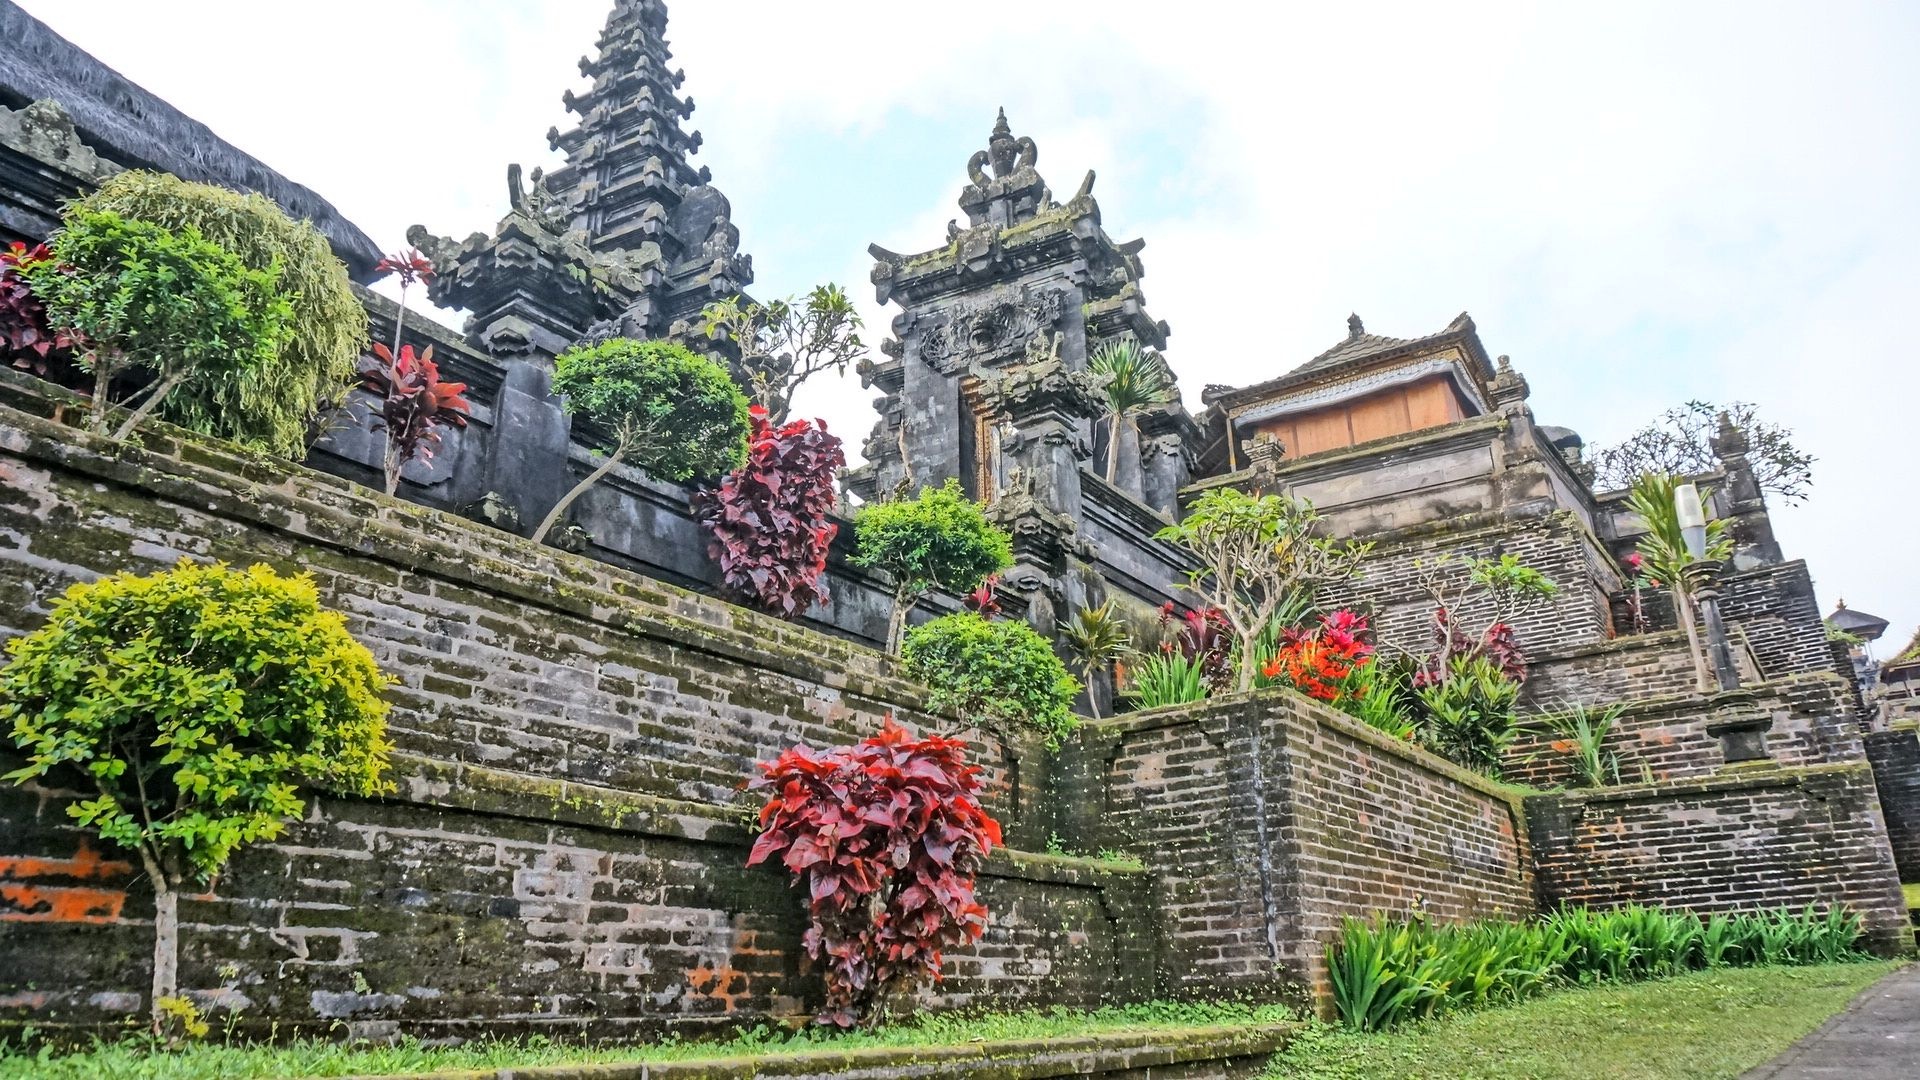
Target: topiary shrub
(767, 522)
(887, 837)
(271, 408)
(653, 404)
(194, 702)
(1002, 675)
(938, 539)
(172, 305)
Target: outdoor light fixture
(1692, 514)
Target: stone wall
(1752, 838)
(1895, 755)
(565, 850)
(1667, 738)
(1271, 818)
(1775, 611)
(1624, 669)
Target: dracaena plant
(415, 405)
(767, 521)
(886, 838)
(411, 268)
(26, 336)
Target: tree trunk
(897, 622)
(102, 380)
(390, 459)
(166, 385)
(166, 940)
(579, 489)
(1249, 660)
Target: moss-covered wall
(566, 848)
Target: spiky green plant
(1580, 735)
(1133, 381)
(1096, 638)
(1168, 678)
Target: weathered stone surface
(1895, 756)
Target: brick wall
(1667, 737)
(522, 665)
(1895, 756)
(1356, 823)
(1624, 669)
(1759, 838)
(1776, 610)
(1554, 544)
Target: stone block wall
(1355, 823)
(566, 847)
(1667, 737)
(1751, 838)
(1774, 608)
(1624, 669)
(1895, 755)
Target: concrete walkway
(1876, 1037)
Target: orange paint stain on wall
(37, 889)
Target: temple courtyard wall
(564, 849)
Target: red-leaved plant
(25, 336)
(1499, 645)
(887, 837)
(767, 522)
(1203, 634)
(414, 405)
(1321, 662)
(985, 600)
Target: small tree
(414, 406)
(938, 539)
(1097, 638)
(654, 404)
(1256, 553)
(767, 523)
(1680, 442)
(193, 702)
(172, 305)
(1001, 675)
(1133, 380)
(887, 837)
(1664, 558)
(1503, 588)
(271, 406)
(785, 342)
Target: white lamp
(1693, 519)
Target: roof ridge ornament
(1355, 328)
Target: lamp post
(1693, 530)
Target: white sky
(1641, 203)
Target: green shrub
(652, 404)
(173, 305)
(1001, 674)
(1468, 716)
(1387, 973)
(271, 408)
(938, 539)
(194, 702)
(1167, 678)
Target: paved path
(1877, 1037)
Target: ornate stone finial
(1000, 128)
(1355, 327)
(1729, 441)
(1505, 363)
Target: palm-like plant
(1664, 555)
(1097, 638)
(1133, 381)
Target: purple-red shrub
(887, 836)
(767, 522)
(414, 405)
(1203, 634)
(25, 336)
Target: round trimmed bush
(1002, 675)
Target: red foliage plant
(415, 405)
(25, 335)
(767, 522)
(1499, 645)
(1205, 634)
(1320, 661)
(887, 836)
(985, 600)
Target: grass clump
(1707, 1025)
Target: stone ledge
(1621, 644)
(1755, 777)
(1020, 1059)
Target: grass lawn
(133, 1060)
(1693, 1027)
(1913, 895)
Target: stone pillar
(1048, 407)
(1744, 504)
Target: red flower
(409, 264)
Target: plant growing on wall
(1335, 663)
(1001, 675)
(654, 405)
(1132, 380)
(27, 338)
(1579, 734)
(937, 539)
(193, 704)
(1467, 714)
(270, 407)
(1500, 589)
(887, 837)
(1203, 636)
(1097, 639)
(170, 306)
(1166, 678)
(783, 343)
(767, 523)
(1666, 562)
(412, 268)
(414, 406)
(1680, 442)
(1256, 552)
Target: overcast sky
(1640, 203)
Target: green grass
(1708, 1024)
(133, 1060)
(1912, 892)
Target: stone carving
(46, 131)
(988, 332)
(536, 202)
